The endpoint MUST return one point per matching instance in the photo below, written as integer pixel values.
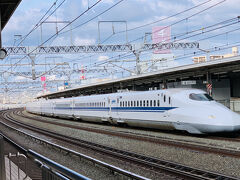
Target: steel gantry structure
(96, 48)
(31, 52)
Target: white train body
(190, 110)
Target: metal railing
(50, 170)
(234, 105)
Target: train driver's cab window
(200, 97)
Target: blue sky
(135, 12)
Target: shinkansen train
(190, 110)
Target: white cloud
(51, 77)
(102, 58)
(20, 78)
(84, 41)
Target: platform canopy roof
(7, 8)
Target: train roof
(168, 91)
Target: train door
(73, 107)
(118, 106)
(165, 105)
(170, 101)
(109, 107)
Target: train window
(128, 103)
(200, 97)
(158, 103)
(120, 104)
(140, 103)
(150, 103)
(154, 103)
(125, 103)
(169, 100)
(147, 103)
(134, 103)
(131, 104)
(137, 103)
(164, 98)
(143, 103)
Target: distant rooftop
(7, 8)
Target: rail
(158, 164)
(95, 161)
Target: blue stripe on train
(120, 109)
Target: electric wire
(58, 32)
(40, 21)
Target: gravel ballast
(207, 161)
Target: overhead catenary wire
(106, 10)
(190, 16)
(40, 21)
(92, 6)
(166, 18)
(233, 20)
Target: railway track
(186, 144)
(150, 163)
